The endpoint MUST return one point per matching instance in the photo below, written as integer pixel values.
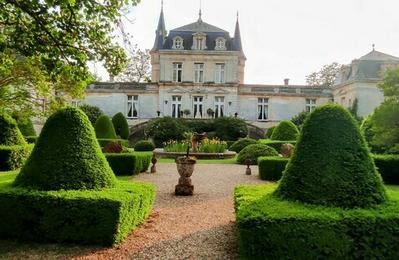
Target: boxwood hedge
(120, 125)
(388, 167)
(86, 217)
(253, 151)
(271, 167)
(271, 228)
(144, 146)
(104, 128)
(285, 131)
(129, 163)
(240, 144)
(276, 144)
(104, 141)
(13, 157)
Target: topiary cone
(331, 164)
(66, 156)
(104, 128)
(285, 131)
(120, 125)
(9, 131)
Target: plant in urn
(185, 167)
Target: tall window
(310, 104)
(198, 72)
(178, 43)
(219, 107)
(132, 106)
(220, 44)
(263, 109)
(176, 106)
(177, 71)
(198, 106)
(76, 103)
(219, 73)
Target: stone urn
(185, 167)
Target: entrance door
(198, 106)
(219, 107)
(176, 106)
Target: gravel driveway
(196, 227)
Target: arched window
(178, 43)
(220, 44)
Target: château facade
(198, 72)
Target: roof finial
(200, 12)
(237, 14)
(373, 47)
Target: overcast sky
(283, 38)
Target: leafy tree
(390, 83)
(299, 119)
(325, 77)
(138, 68)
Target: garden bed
(159, 152)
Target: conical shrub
(120, 125)
(66, 156)
(331, 164)
(285, 131)
(9, 131)
(104, 128)
(25, 125)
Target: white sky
(283, 38)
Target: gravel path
(196, 227)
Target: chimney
(286, 82)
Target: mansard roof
(199, 26)
(378, 56)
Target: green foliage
(388, 167)
(121, 126)
(230, 128)
(212, 146)
(325, 77)
(104, 128)
(299, 119)
(253, 151)
(389, 84)
(285, 131)
(240, 144)
(176, 146)
(271, 168)
(9, 131)
(31, 139)
(92, 112)
(270, 131)
(199, 126)
(66, 156)
(275, 143)
(85, 217)
(13, 157)
(385, 126)
(129, 163)
(271, 228)
(144, 145)
(104, 141)
(164, 129)
(331, 164)
(25, 125)
(353, 110)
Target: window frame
(175, 72)
(134, 101)
(262, 106)
(199, 72)
(177, 40)
(310, 105)
(220, 73)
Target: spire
(200, 13)
(237, 37)
(160, 33)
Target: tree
(138, 68)
(390, 83)
(325, 77)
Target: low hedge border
(271, 167)
(86, 217)
(388, 167)
(271, 228)
(13, 157)
(103, 142)
(276, 144)
(129, 163)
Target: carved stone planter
(185, 167)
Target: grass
(202, 161)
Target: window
(197, 105)
(263, 109)
(177, 71)
(198, 72)
(178, 43)
(310, 105)
(132, 106)
(76, 103)
(199, 41)
(219, 107)
(176, 106)
(220, 44)
(219, 73)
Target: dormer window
(220, 44)
(199, 41)
(178, 43)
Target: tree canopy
(325, 77)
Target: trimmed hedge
(388, 167)
(66, 156)
(128, 163)
(237, 146)
(31, 139)
(13, 157)
(270, 131)
(9, 131)
(271, 168)
(86, 217)
(121, 126)
(92, 112)
(104, 128)
(144, 146)
(104, 141)
(285, 131)
(271, 228)
(25, 125)
(276, 144)
(253, 151)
